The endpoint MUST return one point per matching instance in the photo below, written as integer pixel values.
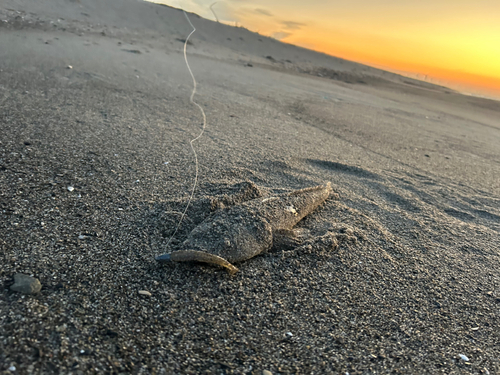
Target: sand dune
(95, 166)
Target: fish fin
(197, 256)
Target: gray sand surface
(95, 166)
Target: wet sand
(95, 166)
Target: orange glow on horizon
(383, 57)
(459, 58)
(456, 43)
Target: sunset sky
(451, 42)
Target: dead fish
(240, 232)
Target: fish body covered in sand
(240, 232)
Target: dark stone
(26, 284)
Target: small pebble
(12, 368)
(61, 328)
(71, 188)
(25, 284)
(81, 237)
(69, 67)
(145, 293)
(267, 372)
(463, 357)
(289, 334)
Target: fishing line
(191, 99)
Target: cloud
(280, 35)
(292, 25)
(264, 12)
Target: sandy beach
(96, 167)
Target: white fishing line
(213, 11)
(197, 137)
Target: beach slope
(96, 168)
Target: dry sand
(416, 168)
